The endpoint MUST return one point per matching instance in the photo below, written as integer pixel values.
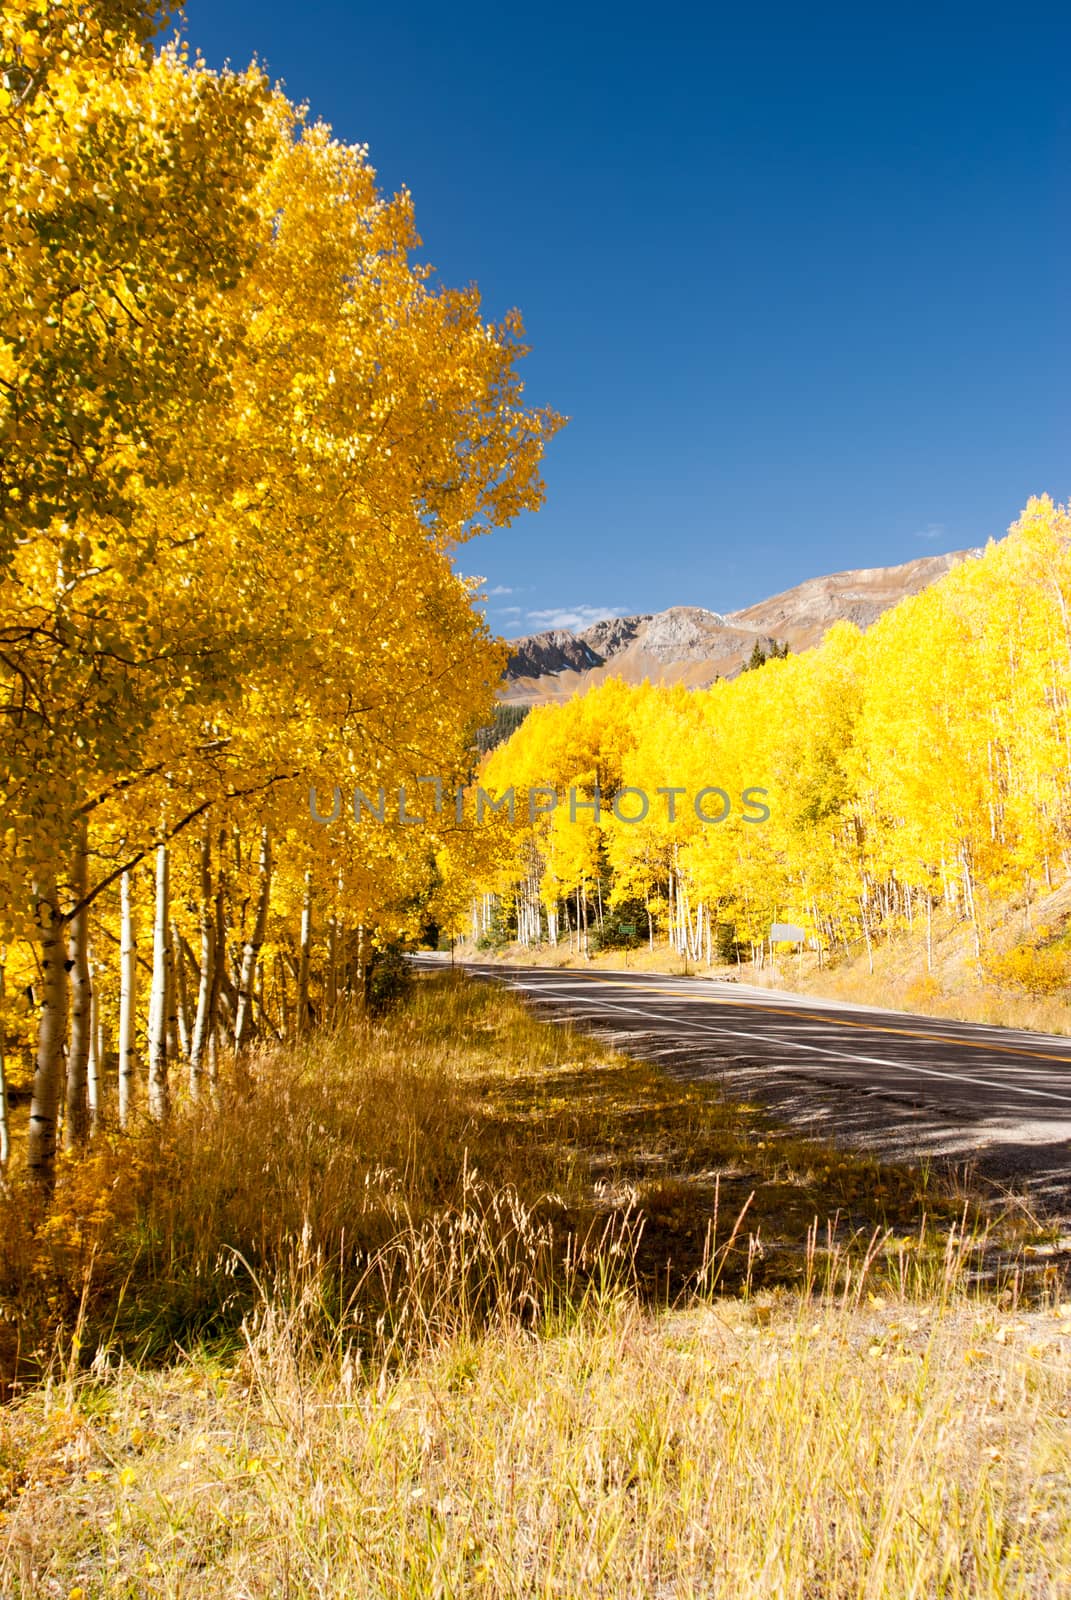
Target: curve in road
(901, 1085)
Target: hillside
(693, 646)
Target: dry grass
(799, 1449)
(394, 1323)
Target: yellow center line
(840, 1022)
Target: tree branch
(165, 838)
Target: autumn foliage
(242, 432)
(921, 764)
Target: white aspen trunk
(331, 977)
(364, 964)
(5, 1126)
(103, 1042)
(929, 931)
(160, 994)
(95, 1070)
(283, 992)
(968, 899)
(104, 1051)
(51, 1035)
(219, 974)
(218, 978)
(209, 981)
(182, 999)
(172, 1010)
(228, 995)
(128, 976)
(302, 1001)
(76, 1121)
(696, 941)
(250, 955)
(683, 915)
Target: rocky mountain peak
(693, 646)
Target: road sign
(787, 933)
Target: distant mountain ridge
(693, 646)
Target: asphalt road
(905, 1086)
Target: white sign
(787, 933)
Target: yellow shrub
(922, 993)
(1037, 969)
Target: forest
(921, 764)
(243, 433)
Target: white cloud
(575, 617)
(508, 611)
(932, 530)
(500, 588)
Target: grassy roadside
(458, 1302)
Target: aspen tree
(76, 1122)
(51, 1034)
(243, 1020)
(301, 1002)
(128, 958)
(97, 1053)
(161, 992)
(208, 980)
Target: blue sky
(798, 276)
